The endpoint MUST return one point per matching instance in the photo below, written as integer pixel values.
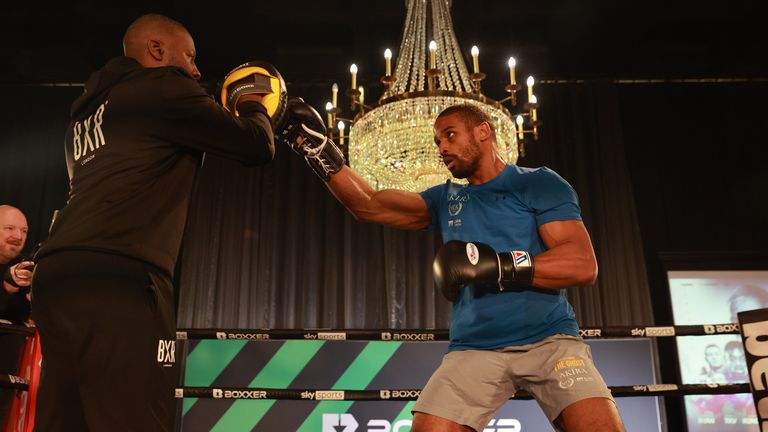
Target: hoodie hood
(100, 83)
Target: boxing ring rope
(411, 335)
(413, 394)
(19, 383)
(425, 335)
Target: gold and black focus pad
(260, 78)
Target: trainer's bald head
(151, 26)
(155, 40)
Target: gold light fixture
(391, 143)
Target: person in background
(735, 363)
(714, 370)
(747, 297)
(14, 297)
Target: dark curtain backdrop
(271, 247)
(583, 140)
(711, 138)
(33, 176)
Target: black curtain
(33, 176)
(697, 154)
(583, 140)
(271, 247)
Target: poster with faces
(715, 297)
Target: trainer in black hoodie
(102, 292)
(133, 149)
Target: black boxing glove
(458, 264)
(256, 77)
(320, 152)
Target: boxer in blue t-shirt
(512, 327)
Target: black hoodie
(133, 149)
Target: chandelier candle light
(391, 142)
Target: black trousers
(107, 331)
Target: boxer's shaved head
(156, 40)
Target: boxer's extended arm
(391, 207)
(305, 132)
(569, 259)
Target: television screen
(715, 297)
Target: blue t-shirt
(505, 213)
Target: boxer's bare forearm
(392, 207)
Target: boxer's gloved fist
(320, 152)
(458, 264)
(260, 78)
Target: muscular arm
(396, 208)
(569, 260)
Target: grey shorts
(470, 386)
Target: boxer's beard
(468, 161)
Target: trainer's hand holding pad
(320, 152)
(260, 78)
(458, 264)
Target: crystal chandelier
(391, 143)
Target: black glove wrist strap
(324, 157)
(516, 267)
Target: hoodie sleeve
(196, 121)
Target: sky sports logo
(348, 423)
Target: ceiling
(314, 42)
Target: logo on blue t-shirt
(454, 208)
